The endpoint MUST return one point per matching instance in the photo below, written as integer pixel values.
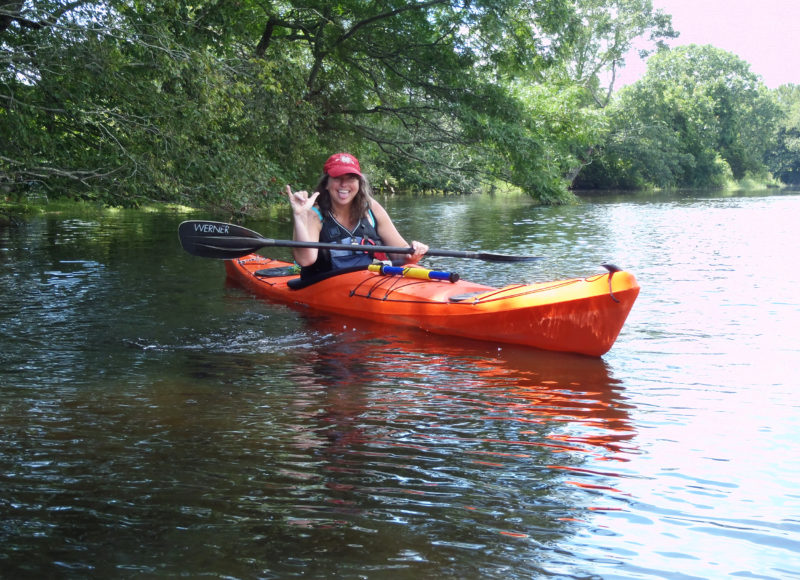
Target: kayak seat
(298, 283)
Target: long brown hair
(361, 201)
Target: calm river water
(158, 422)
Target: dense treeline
(698, 118)
(219, 103)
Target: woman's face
(343, 188)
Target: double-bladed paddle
(209, 239)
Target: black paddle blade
(219, 240)
(487, 257)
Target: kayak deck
(580, 315)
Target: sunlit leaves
(698, 118)
(596, 36)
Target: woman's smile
(344, 188)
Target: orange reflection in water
(562, 402)
(398, 417)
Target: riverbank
(14, 212)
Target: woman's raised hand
(300, 200)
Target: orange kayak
(581, 315)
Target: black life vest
(364, 234)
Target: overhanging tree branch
(12, 12)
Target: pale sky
(765, 33)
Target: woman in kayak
(342, 210)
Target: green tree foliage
(419, 89)
(590, 48)
(597, 36)
(784, 157)
(111, 101)
(697, 118)
(564, 132)
(218, 101)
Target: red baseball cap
(340, 164)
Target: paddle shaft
(228, 241)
